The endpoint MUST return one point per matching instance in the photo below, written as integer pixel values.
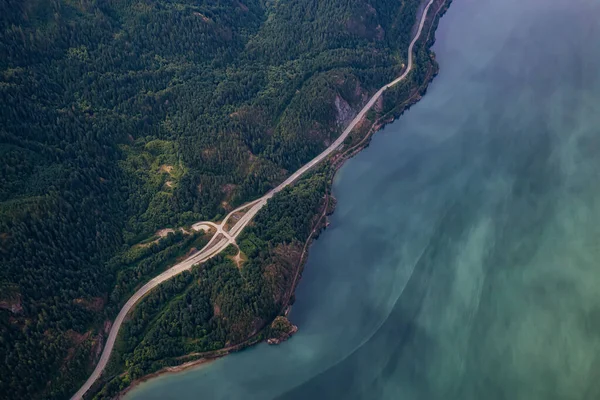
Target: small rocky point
(281, 330)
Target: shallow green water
(463, 260)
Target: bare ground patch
(166, 169)
(239, 259)
(94, 304)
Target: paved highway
(222, 238)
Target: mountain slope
(122, 117)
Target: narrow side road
(222, 238)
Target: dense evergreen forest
(122, 117)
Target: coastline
(165, 371)
(363, 141)
(334, 164)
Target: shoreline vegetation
(281, 336)
(357, 141)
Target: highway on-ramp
(223, 238)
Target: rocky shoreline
(281, 330)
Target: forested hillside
(122, 117)
(222, 302)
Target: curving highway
(223, 238)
